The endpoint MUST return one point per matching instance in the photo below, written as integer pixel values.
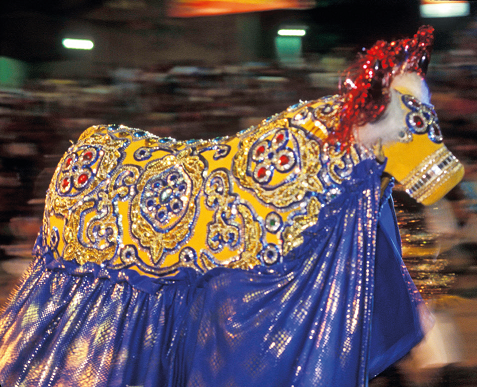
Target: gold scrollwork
(217, 191)
(252, 244)
(292, 235)
(93, 202)
(94, 246)
(95, 239)
(232, 222)
(327, 111)
(107, 161)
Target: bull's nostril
(405, 135)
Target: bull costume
(270, 258)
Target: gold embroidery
(124, 197)
(252, 245)
(79, 173)
(79, 246)
(107, 160)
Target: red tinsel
(367, 84)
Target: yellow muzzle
(420, 161)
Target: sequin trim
(431, 173)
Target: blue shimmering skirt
(338, 311)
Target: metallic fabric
(337, 311)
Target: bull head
(408, 134)
(388, 107)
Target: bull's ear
(424, 64)
(377, 85)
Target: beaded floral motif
(163, 211)
(279, 164)
(83, 170)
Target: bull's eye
(421, 119)
(416, 123)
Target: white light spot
(291, 32)
(445, 9)
(78, 44)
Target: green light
(78, 44)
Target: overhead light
(444, 8)
(291, 32)
(78, 44)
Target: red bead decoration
(69, 161)
(284, 160)
(418, 121)
(83, 178)
(88, 155)
(261, 172)
(65, 183)
(280, 137)
(260, 150)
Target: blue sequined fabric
(337, 310)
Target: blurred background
(202, 69)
